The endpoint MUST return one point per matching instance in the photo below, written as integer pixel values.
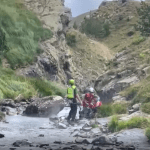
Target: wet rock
(62, 126)
(83, 141)
(57, 142)
(2, 136)
(10, 111)
(23, 143)
(45, 107)
(41, 135)
(8, 102)
(103, 140)
(104, 129)
(43, 145)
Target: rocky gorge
(40, 122)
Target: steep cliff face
(59, 62)
(55, 17)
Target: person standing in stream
(72, 96)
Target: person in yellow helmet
(72, 96)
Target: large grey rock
(46, 106)
(22, 143)
(11, 111)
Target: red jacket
(89, 101)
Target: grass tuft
(135, 122)
(112, 109)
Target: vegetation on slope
(95, 27)
(22, 31)
(11, 86)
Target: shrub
(144, 20)
(71, 40)
(147, 133)
(95, 27)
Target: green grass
(112, 109)
(22, 31)
(138, 39)
(94, 126)
(146, 108)
(135, 122)
(11, 86)
(147, 133)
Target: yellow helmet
(71, 81)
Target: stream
(38, 131)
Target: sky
(79, 7)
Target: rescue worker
(72, 96)
(90, 103)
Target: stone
(46, 106)
(102, 140)
(147, 71)
(2, 136)
(136, 107)
(87, 17)
(22, 143)
(10, 111)
(62, 126)
(41, 135)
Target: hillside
(80, 18)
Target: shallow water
(22, 127)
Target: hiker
(90, 103)
(72, 96)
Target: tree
(144, 19)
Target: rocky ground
(33, 133)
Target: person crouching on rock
(72, 96)
(90, 103)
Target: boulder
(11, 111)
(8, 102)
(22, 143)
(2, 136)
(102, 140)
(45, 106)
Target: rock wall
(50, 64)
(124, 73)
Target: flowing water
(22, 127)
